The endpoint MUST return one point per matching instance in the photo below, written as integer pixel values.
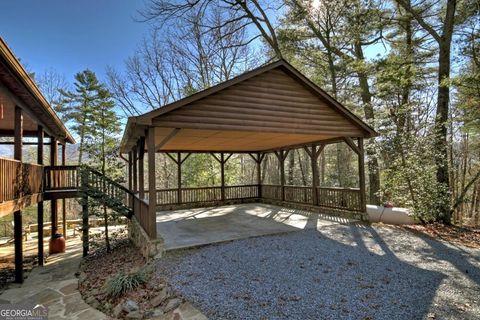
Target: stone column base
(150, 248)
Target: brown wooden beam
(361, 174)
(171, 157)
(172, 134)
(17, 215)
(54, 203)
(64, 206)
(222, 175)
(18, 131)
(5, 133)
(186, 157)
(135, 169)
(25, 143)
(129, 171)
(152, 189)
(281, 156)
(40, 204)
(141, 172)
(179, 177)
(352, 145)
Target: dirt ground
(467, 236)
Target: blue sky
(70, 36)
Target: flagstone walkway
(56, 287)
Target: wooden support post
(130, 173)
(361, 174)
(40, 233)
(17, 215)
(179, 177)
(85, 225)
(18, 132)
(281, 156)
(53, 203)
(40, 204)
(135, 170)
(152, 188)
(259, 173)
(222, 175)
(314, 161)
(141, 172)
(258, 160)
(64, 207)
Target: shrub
(124, 282)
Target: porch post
(222, 173)
(17, 215)
(40, 204)
(64, 208)
(314, 160)
(141, 173)
(53, 203)
(179, 177)
(85, 223)
(135, 170)
(152, 188)
(281, 159)
(259, 174)
(130, 182)
(361, 174)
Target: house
(26, 118)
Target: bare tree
(51, 83)
(191, 53)
(243, 14)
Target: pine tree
(103, 152)
(81, 107)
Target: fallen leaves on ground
(467, 236)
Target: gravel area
(338, 272)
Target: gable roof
(275, 98)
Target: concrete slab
(201, 226)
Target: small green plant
(124, 282)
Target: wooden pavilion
(272, 109)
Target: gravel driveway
(338, 272)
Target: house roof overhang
(17, 88)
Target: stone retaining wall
(148, 247)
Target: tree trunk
(441, 142)
(372, 162)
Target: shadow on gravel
(302, 275)
(456, 257)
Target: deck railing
(335, 198)
(205, 194)
(298, 194)
(270, 191)
(140, 209)
(242, 192)
(61, 177)
(19, 179)
(340, 198)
